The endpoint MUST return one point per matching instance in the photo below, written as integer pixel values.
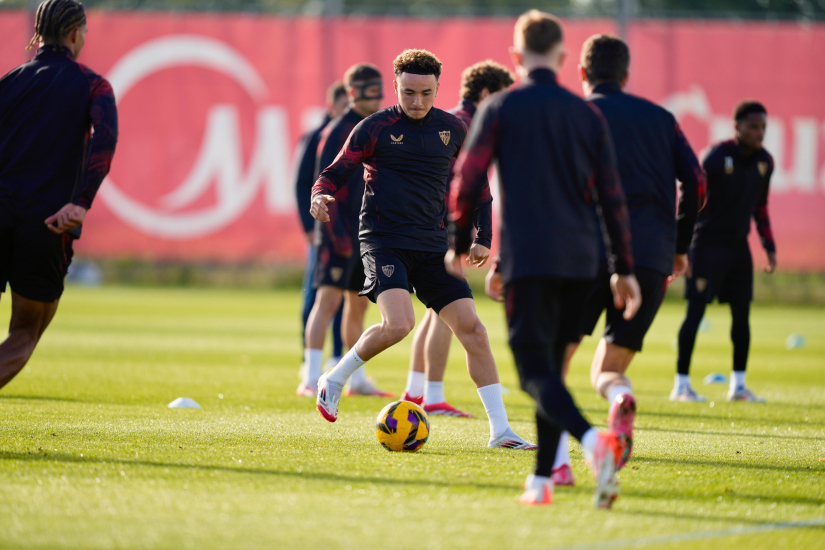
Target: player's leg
(414, 391)
(682, 390)
(327, 302)
(740, 334)
(437, 351)
(397, 321)
(538, 341)
(29, 319)
(355, 309)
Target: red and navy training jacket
(554, 155)
(406, 166)
(652, 153)
(58, 130)
(738, 188)
(341, 232)
(306, 155)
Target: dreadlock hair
(55, 19)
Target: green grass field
(91, 457)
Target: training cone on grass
(184, 403)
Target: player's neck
(360, 111)
(746, 150)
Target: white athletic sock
(682, 380)
(737, 380)
(616, 391)
(589, 443)
(536, 482)
(434, 393)
(359, 377)
(563, 453)
(494, 405)
(313, 359)
(341, 372)
(415, 384)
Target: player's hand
(479, 255)
(681, 265)
(319, 209)
(771, 267)
(452, 262)
(494, 286)
(626, 294)
(68, 217)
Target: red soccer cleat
(417, 400)
(563, 476)
(620, 420)
(445, 409)
(537, 493)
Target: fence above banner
(212, 106)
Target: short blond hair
(537, 32)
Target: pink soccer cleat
(563, 476)
(306, 390)
(417, 400)
(368, 388)
(620, 420)
(445, 409)
(609, 450)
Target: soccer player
(652, 153)
(554, 153)
(58, 129)
(739, 174)
(431, 343)
(406, 151)
(305, 174)
(339, 275)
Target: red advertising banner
(212, 105)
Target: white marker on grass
(184, 403)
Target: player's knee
(398, 329)
(475, 334)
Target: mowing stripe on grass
(698, 535)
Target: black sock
(740, 334)
(687, 334)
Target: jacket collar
(608, 88)
(54, 49)
(417, 123)
(542, 76)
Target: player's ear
(515, 56)
(625, 79)
(395, 86)
(582, 74)
(437, 86)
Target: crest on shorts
(763, 168)
(336, 273)
(445, 136)
(729, 165)
(388, 270)
(701, 284)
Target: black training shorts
(419, 271)
(339, 271)
(628, 334)
(721, 271)
(33, 260)
(545, 311)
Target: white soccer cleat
(327, 400)
(307, 390)
(744, 394)
(537, 491)
(511, 441)
(685, 394)
(368, 388)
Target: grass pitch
(90, 457)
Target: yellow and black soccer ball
(402, 426)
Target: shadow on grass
(38, 398)
(710, 498)
(728, 434)
(723, 464)
(320, 476)
(706, 518)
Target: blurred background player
(739, 174)
(305, 161)
(553, 150)
(339, 274)
(407, 150)
(651, 153)
(51, 166)
(431, 343)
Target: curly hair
(55, 19)
(417, 62)
(485, 75)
